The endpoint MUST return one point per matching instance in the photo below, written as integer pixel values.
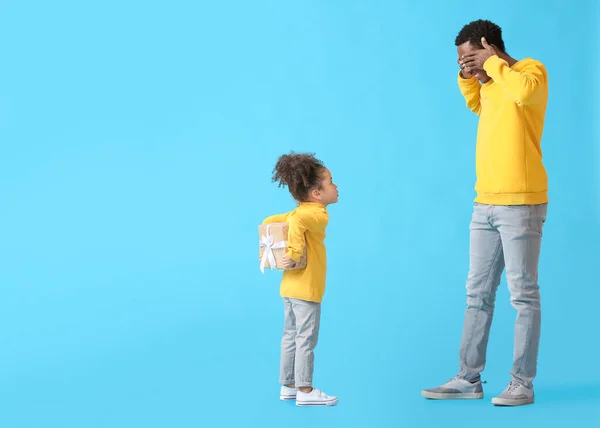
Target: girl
(302, 290)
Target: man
(509, 96)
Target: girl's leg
(308, 317)
(288, 346)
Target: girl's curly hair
(300, 172)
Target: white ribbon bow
(267, 242)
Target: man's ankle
(305, 389)
(471, 380)
(291, 385)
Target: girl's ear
(315, 193)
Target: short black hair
(474, 31)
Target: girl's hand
(288, 263)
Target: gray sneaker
(455, 389)
(515, 394)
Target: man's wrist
(490, 60)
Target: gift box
(272, 247)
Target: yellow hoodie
(307, 225)
(511, 109)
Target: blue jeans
(300, 337)
(503, 237)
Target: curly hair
(300, 172)
(474, 31)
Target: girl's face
(328, 193)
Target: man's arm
(470, 90)
(523, 87)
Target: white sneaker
(515, 394)
(315, 398)
(288, 393)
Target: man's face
(466, 48)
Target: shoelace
(458, 378)
(512, 386)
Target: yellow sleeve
(470, 90)
(299, 224)
(278, 218)
(521, 86)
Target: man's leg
(485, 271)
(486, 265)
(521, 231)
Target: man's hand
(463, 72)
(288, 263)
(474, 61)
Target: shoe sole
(317, 403)
(452, 395)
(287, 397)
(504, 402)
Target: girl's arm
(299, 224)
(278, 218)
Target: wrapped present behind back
(272, 247)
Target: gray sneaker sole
(328, 403)
(506, 402)
(452, 395)
(287, 397)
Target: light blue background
(137, 140)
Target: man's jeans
(503, 236)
